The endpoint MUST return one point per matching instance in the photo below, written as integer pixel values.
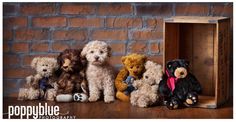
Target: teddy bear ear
(148, 64)
(34, 62)
(169, 64)
(55, 63)
(144, 58)
(123, 59)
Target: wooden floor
(125, 110)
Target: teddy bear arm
(137, 83)
(120, 85)
(35, 82)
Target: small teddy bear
(179, 86)
(43, 84)
(146, 93)
(133, 69)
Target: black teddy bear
(178, 87)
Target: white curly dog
(99, 73)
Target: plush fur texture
(146, 92)
(45, 72)
(99, 73)
(72, 78)
(133, 66)
(186, 88)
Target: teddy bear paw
(192, 99)
(173, 104)
(80, 97)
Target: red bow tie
(171, 81)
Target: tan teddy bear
(43, 84)
(146, 92)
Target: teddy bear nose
(65, 67)
(181, 73)
(45, 70)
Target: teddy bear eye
(146, 77)
(92, 51)
(46, 65)
(137, 67)
(43, 65)
(131, 67)
(101, 52)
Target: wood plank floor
(119, 109)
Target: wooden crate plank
(186, 45)
(171, 42)
(194, 19)
(203, 56)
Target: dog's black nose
(45, 70)
(96, 57)
(181, 73)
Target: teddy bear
(132, 70)
(72, 83)
(43, 84)
(178, 86)
(146, 89)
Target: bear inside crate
(204, 41)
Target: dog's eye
(91, 51)
(101, 52)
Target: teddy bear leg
(121, 96)
(134, 98)
(173, 103)
(50, 94)
(22, 94)
(192, 98)
(143, 101)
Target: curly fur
(45, 68)
(133, 66)
(99, 73)
(147, 88)
(72, 78)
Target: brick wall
(41, 29)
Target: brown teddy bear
(132, 70)
(72, 79)
(146, 89)
(43, 84)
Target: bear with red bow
(178, 87)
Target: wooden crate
(204, 41)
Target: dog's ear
(109, 51)
(84, 51)
(34, 62)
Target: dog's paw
(93, 98)
(172, 104)
(191, 99)
(80, 97)
(109, 99)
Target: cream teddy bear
(43, 84)
(146, 92)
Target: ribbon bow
(171, 81)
